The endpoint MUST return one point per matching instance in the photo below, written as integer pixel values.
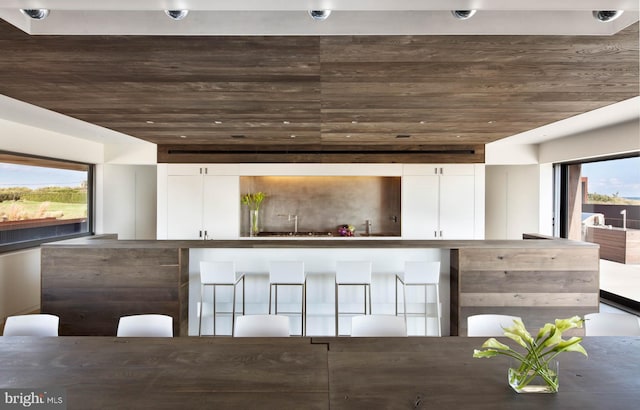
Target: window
(603, 192)
(43, 199)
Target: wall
(323, 203)
(19, 283)
(512, 206)
(126, 200)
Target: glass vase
(542, 378)
(254, 227)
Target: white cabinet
(438, 202)
(202, 205)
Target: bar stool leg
(337, 312)
(201, 303)
(214, 310)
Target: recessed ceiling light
(490, 122)
(319, 15)
(217, 122)
(293, 136)
(463, 14)
(423, 122)
(457, 136)
(176, 14)
(36, 14)
(150, 122)
(606, 15)
(347, 136)
(286, 122)
(354, 122)
(183, 136)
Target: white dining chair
(488, 325)
(150, 325)
(40, 324)
(353, 273)
(426, 275)
(611, 324)
(262, 326)
(216, 274)
(378, 326)
(288, 274)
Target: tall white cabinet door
(419, 206)
(221, 206)
(184, 206)
(457, 208)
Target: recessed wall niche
(322, 203)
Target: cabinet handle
(199, 234)
(435, 170)
(441, 171)
(206, 171)
(201, 171)
(435, 234)
(441, 234)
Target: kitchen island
(91, 282)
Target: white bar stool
(353, 273)
(39, 324)
(423, 274)
(289, 273)
(219, 274)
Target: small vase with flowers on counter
(253, 201)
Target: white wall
(126, 200)
(19, 283)
(512, 206)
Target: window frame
(11, 247)
(561, 176)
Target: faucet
(293, 218)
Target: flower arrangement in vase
(536, 369)
(253, 201)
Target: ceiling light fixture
(606, 16)
(319, 15)
(36, 14)
(463, 14)
(176, 14)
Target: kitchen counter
(90, 282)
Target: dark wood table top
(309, 373)
(440, 373)
(175, 373)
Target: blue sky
(621, 176)
(12, 175)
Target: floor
(620, 279)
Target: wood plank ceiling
(353, 98)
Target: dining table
(96, 372)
